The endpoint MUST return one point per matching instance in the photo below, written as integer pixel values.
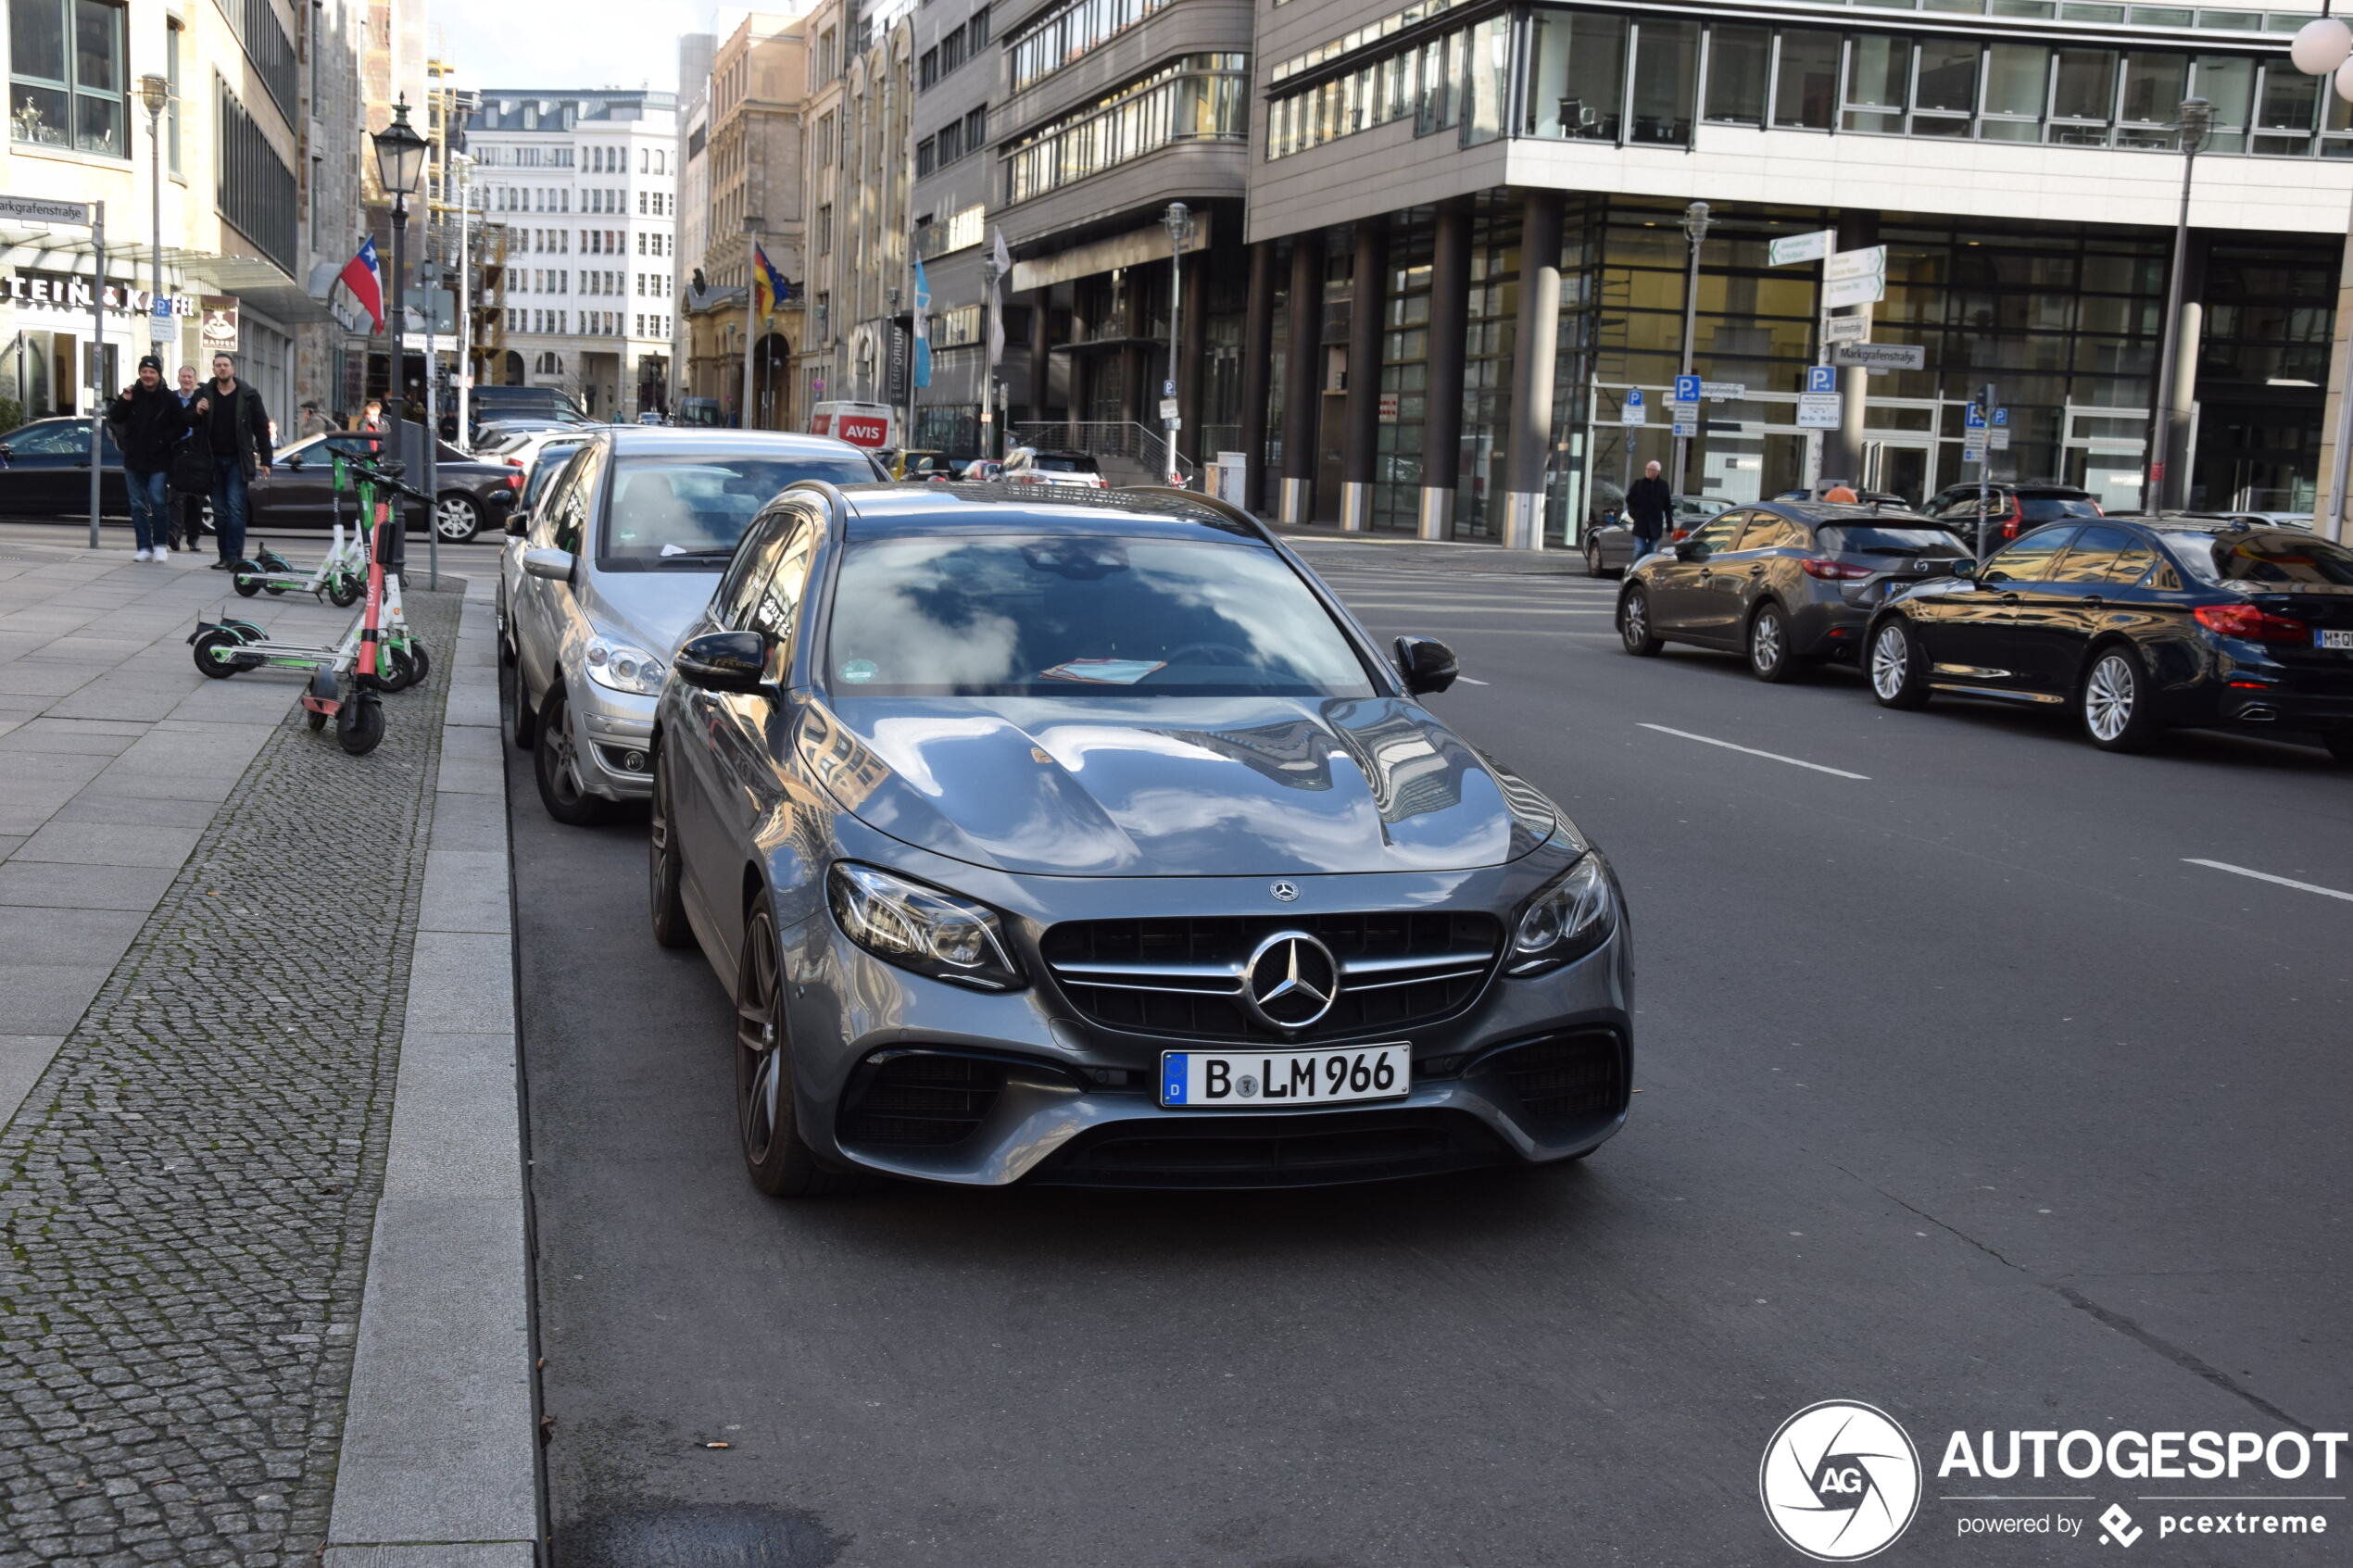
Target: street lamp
(463, 163)
(2163, 489)
(2323, 47)
(1178, 220)
(400, 159)
(989, 332)
(1696, 222)
(154, 91)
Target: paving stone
(101, 844)
(51, 884)
(96, 737)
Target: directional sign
(1687, 389)
(41, 209)
(1854, 277)
(1856, 263)
(1791, 248)
(1820, 378)
(1817, 410)
(1633, 411)
(1847, 328)
(1724, 391)
(1881, 356)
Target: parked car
(2136, 626)
(2010, 509)
(2252, 519)
(1609, 542)
(1030, 465)
(931, 467)
(702, 413)
(1820, 490)
(873, 426)
(1090, 841)
(983, 469)
(1789, 584)
(619, 556)
(44, 470)
(485, 404)
(297, 489)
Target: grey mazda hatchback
(1083, 838)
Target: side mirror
(518, 525)
(723, 661)
(1427, 664)
(556, 566)
(1690, 549)
(1965, 569)
(292, 464)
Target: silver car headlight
(623, 666)
(1565, 920)
(920, 928)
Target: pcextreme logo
(1840, 1481)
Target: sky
(563, 44)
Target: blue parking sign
(1686, 389)
(2001, 417)
(1821, 378)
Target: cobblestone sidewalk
(186, 1195)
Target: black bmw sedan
(1070, 837)
(2137, 627)
(1788, 583)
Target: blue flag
(922, 326)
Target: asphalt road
(1963, 1092)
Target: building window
(255, 191)
(267, 45)
(1072, 33)
(962, 230)
(171, 40)
(927, 69)
(1199, 97)
(1878, 70)
(66, 75)
(951, 142)
(977, 30)
(977, 129)
(825, 230)
(927, 157)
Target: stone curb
(440, 1456)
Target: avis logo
(1840, 1481)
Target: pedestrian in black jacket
(147, 421)
(236, 427)
(1650, 506)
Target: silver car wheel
(454, 515)
(2107, 698)
(759, 1060)
(1765, 640)
(1891, 662)
(1637, 619)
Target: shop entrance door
(1901, 466)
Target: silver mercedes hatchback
(1084, 838)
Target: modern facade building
(587, 184)
(1467, 219)
(695, 52)
(957, 83)
(755, 155)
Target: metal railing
(1119, 439)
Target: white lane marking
(1468, 682)
(2266, 876)
(1774, 756)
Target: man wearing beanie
(149, 421)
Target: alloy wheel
(1637, 619)
(1765, 641)
(758, 1059)
(2107, 698)
(1891, 662)
(454, 515)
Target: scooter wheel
(215, 655)
(316, 719)
(344, 591)
(246, 576)
(272, 561)
(404, 666)
(359, 724)
(273, 588)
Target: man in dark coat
(237, 429)
(147, 421)
(1650, 505)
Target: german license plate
(2325, 638)
(1282, 1080)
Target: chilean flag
(365, 280)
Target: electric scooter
(341, 578)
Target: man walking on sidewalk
(1649, 506)
(148, 421)
(237, 430)
(191, 470)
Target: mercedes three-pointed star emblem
(1291, 982)
(1284, 892)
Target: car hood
(1226, 786)
(653, 610)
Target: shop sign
(219, 334)
(65, 293)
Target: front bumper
(611, 732)
(1531, 1070)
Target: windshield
(2050, 509)
(1061, 616)
(695, 507)
(1856, 539)
(2268, 557)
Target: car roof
(688, 440)
(1845, 511)
(902, 511)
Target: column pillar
(1449, 322)
(1368, 304)
(1258, 353)
(1042, 354)
(2183, 386)
(1192, 363)
(1302, 378)
(1534, 356)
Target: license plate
(1281, 1080)
(2326, 639)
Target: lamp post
(400, 159)
(2323, 47)
(989, 335)
(464, 164)
(751, 323)
(1179, 222)
(2162, 489)
(1695, 226)
(154, 91)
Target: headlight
(1566, 920)
(623, 667)
(920, 928)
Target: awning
(249, 278)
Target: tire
(1592, 558)
(245, 579)
(553, 768)
(213, 659)
(402, 668)
(775, 1157)
(360, 725)
(2340, 744)
(343, 590)
(315, 719)
(1770, 658)
(2116, 702)
(273, 562)
(665, 903)
(523, 723)
(1634, 624)
(456, 519)
(1893, 666)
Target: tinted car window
(1717, 537)
(2285, 556)
(1872, 539)
(2132, 562)
(2093, 556)
(1767, 530)
(747, 572)
(2030, 559)
(2051, 508)
(694, 507)
(547, 469)
(1008, 615)
(567, 506)
(62, 439)
(1054, 462)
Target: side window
(2132, 562)
(61, 440)
(2030, 559)
(1769, 531)
(2093, 556)
(567, 510)
(748, 571)
(777, 613)
(1717, 537)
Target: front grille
(1567, 1077)
(1183, 976)
(920, 1101)
(1243, 1151)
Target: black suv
(2011, 508)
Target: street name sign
(1791, 248)
(1881, 356)
(41, 209)
(1724, 391)
(1847, 328)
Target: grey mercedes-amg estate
(1086, 839)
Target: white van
(870, 425)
